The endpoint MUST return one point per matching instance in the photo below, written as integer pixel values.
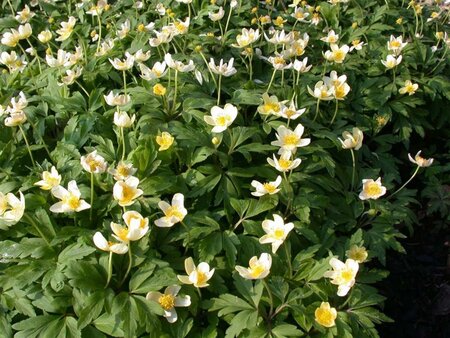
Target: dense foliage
(150, 151)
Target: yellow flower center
(279, 61)
(289, 112)
(290, 140)
(167, 302)
(272, 106)
(339, 92)
(278, 233)
(323, 93)
(123, 170)
(338, 55)
(373, 189)
(72, 201)
(256, 270)
(201, 278)
(395, 44)
(284, 164)
(410, 88)
(355, 42)
(299, 15)
(270, 188)
(174, 212)
(346, 275)
(180, 27)
(93, 163)
(324, 317)
(127, 193)
(122, 234)
(222, 120)
(3, 205)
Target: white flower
(372, 189)
(343, 274)
(125, 192)
(291, 112)
(396, 44)
(117, 99)
(266, 188)
(70, 199)
(356, 45)
(140, 56)
(66, 29)
(352, 141)
(247, 37)
(279, 63)
(50, 179)
(321, 91)
(157, 71)
(45, 36)
(122, 171)
(15, 119)
(336, 54)
(71, 76)
(124, 29)
(62, 59)
(285, 163)
(280, 37)
(276, 232)
(197, 275)
(136, 222)
(101, 243)
(122, 120)
(216, 16)
(25, 31)
(172, 213)
(289, 140)
(12, 61)
(409, 88)
(420, 161)
(126, 64)
(17, 104)
(258, 268)
(332, 37)
(391, 61)
(270, 105)
(180, 27)
(105, 47)
(221, 118)
(299, 14)
(126, 234)
(93, 163)
(301, 66)
(24, 15)
(11, 39)
(224, 69)
(11, 208)
(178, 65)
(169, 300)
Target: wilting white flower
(301, 66)
(216, 16)
(124, 29)
(420, 161)
(71, 76)
(140, 56)
(105, 47)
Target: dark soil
(418, 288)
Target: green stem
(269, 293)
(175, 94)
(188, 235)
(250, 66)
(209, 69)
(271, 80)
(288, 258)
(228, 21)
(317, 110)
(335, 112)
(12, 8)
(353, 168)
(28, 146)
(99, 32)
(92, 197)
(219, 81)
(122, 136)
(130, 263)
(124, 82)
(404, 185)
(109, 269)
(36, 227)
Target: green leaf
(74, 252)
(92, 308)
(109, 324)
(286, 330)
(228, 303)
